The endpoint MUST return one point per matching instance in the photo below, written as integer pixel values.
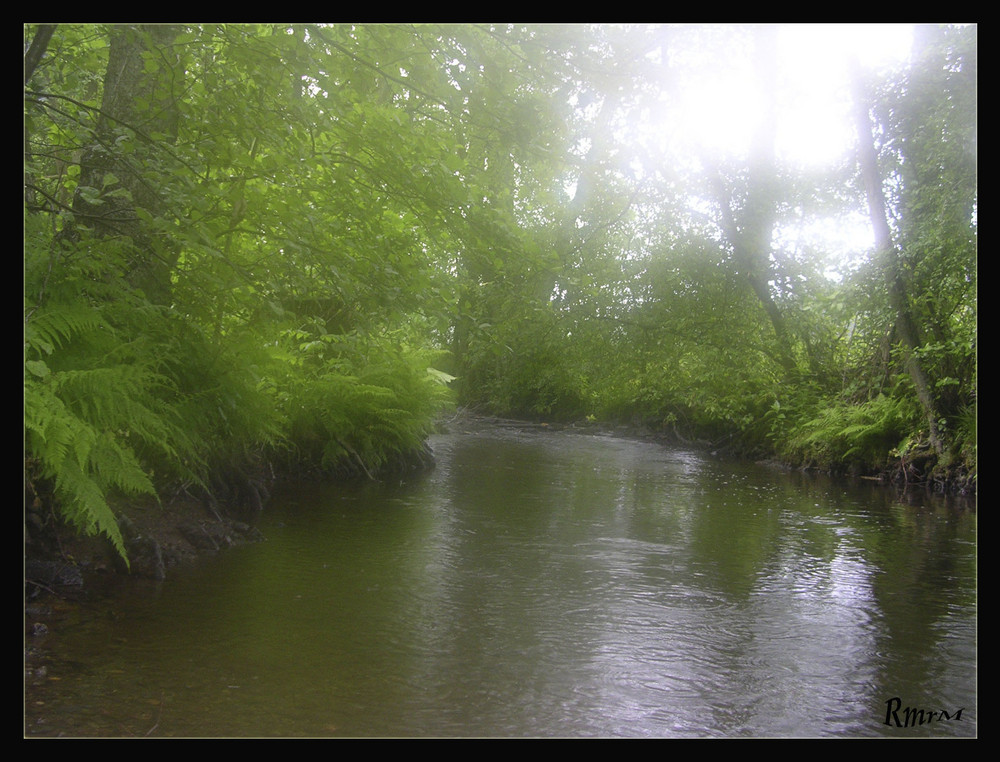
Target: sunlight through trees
(252, 248)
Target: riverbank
(918, 469)
(161, 536)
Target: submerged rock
(52, 573)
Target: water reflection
(540, 584)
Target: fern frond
(56, 325)
(84, 505)
(82, 447)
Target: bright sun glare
(718, 105)
(718, 108)
(816, 126)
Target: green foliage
(929, 118)
(965, 434)
(354, 401)
(259, 241)
(863, 435)
(84, 426)
(161, 291)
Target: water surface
(540, 584)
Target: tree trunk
(32, 57)
(138, 109)
(889, 260)
(39, 43)
(750, 235)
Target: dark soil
(157, 537)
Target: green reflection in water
(545, 585)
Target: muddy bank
(159, 536)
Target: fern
(83, 425)
(359, 399)
(866, 433)
(51, 328)
(82, 463)
(85, 506)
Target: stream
(545, 584)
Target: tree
(249, 245)
(749, 235)
(931, 129)
(227, 256)
(116, 195)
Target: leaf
(440, 376)
(89, 194)
(38, 368)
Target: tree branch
(37, 49)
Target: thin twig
(159, 714)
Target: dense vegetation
(274, 248)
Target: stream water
(545, 584)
